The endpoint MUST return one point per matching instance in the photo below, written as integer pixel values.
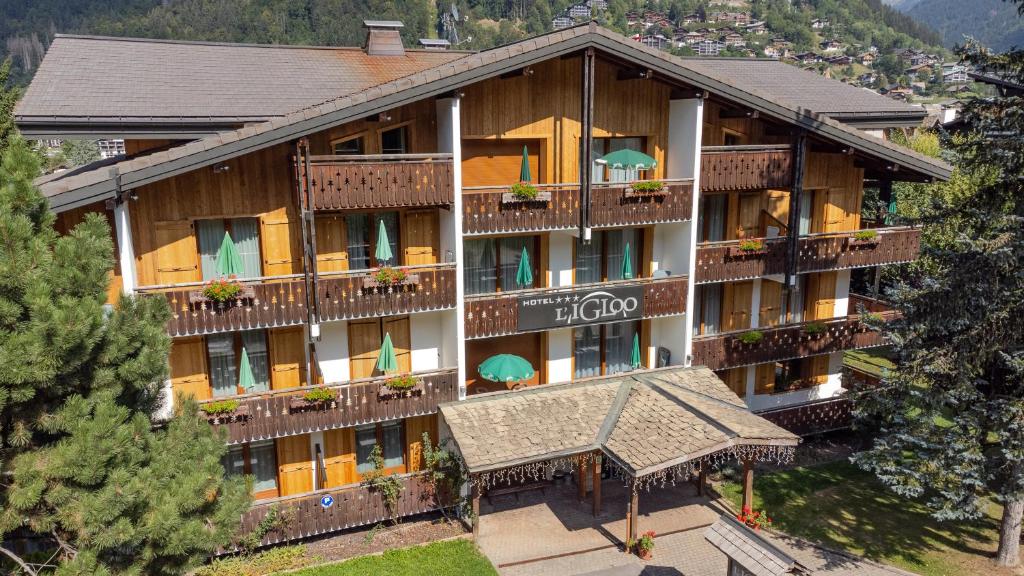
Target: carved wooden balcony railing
(491, 210)
(354, 505)
(813, 417)
(381, 181)
(723, 351)
(280, 413)
(722, 261)
(498, 314)
(618, 205)
(838, 251)
(276, 301)
(725, 168)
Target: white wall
(671, 250)
(559, 362)
(842, 294)
(827, 390)
(560, 258)
(426, 335)
(668, 333)
(125, 248)
(332, 352)
(449, 139)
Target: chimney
(434, 44)
(383, 38)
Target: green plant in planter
(647, 186)
(865, 235)
(219, 407)
(319, 395)
(390, 276)
(751, 337)
(815, 328)
(407, 382)
(645, 545)
(871, 318)
(222, 289)
(751, 245)
(524, 191)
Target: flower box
(297, 403)
(737, 252)
(197, 297)
(236, 415)
(386, 392)
(631, 192)
(513, 198)
(852, 242)
(369, 282)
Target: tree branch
(68, 550)
(17, 559)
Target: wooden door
(770, 313)
(364, 340)
(737, 300)
(820, 297)
(401, 339)
(294, 465)
(420, 237)
(280, 244)
(189, 373)
(414, 429)
(287, 358)
(331, 244)
(498, 162)
(764, 378)
(735, 379)
(340, 457)
(176, 257)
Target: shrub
(647, 186)
(222, 289)
(407, 382)
(871, 318)
(815, 328)
(390, 276)
(864, 235)
(387, 485)
(319, 395)
(751, 337)
(751, 245)
(524, 191)
(219, 407)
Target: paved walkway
(551, 533)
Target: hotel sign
(580, 307)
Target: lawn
(841, 506)
(450, 558)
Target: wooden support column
(748, 484)
(631, 514)
(702, 479)
(581, 481)
(596, 494)
(476, 509)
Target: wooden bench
(517, 490)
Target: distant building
(709, 47)
(110, 148)
(831, 46)
(954, 74)
(563, 21)
(734, 39)
(654, 41)
(578, 12)
(757, 27)
(807, 57)
(840, 60)
(867, 58)
(820, 23)
(690, 19)
(734, 17)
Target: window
(605, 349)
(492, 264)
(244, 233)
(351, 146)
(789, 376)
(730, 138)
(390, 437)
(601, 259)
(707, 317)
(225, 357)
(394, 141)
(258, 459)
(711, 218)
(363, 235)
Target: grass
(843, 507)
(873, 361)
(450, 558)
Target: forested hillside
(994, 23)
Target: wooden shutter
(414, 429)
(364, 339)
(420, 237)
(835, 216)
(737, 298)
(735, 379)
(189, 374)
(820, 299)
(764, 378)
(770, 313)
(294, 465)
(749, 215)
(280, 244)
(401, 339)
(340, 456)
(287, 358)
(497, 162)
(331, 244)
(176, 257)
(778, 208)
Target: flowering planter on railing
(296, 403)
(369, 282)
(197, 297)
(386, 392)
(853, 242)
(513, 198)
(630, 192)
(237, 415)
(737, 252)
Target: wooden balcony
(724, 261)
(724, 168)
(282, 413)
(354, 505)
(498, 314)
(617, 205)
(277, 301)
(723, 351)
(813, 417)
(838, 251)
(489, 210)
(381, 181)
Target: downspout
(586, 141)
(308, 254)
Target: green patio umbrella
(524, 275)
(245, 378)
(229, 262)
(383, 253)
(506, 368)
(634, 358)
(627, 158)
(627, 264)
(386, 360)
(890, 214)
(524, 167)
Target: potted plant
(867, 237)
(749, 247)
(815, 328)
(754, 519)
(751, 337)
(400, 386)
(315, 398)
(645, 545)
(221, 291)
(521, 192)
(647, 188)
(387, 277)
(224, 409)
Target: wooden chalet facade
(756, 226)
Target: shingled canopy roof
(644, 422)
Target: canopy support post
(475, 499)
(581, 481)
(702, 478)
(748, 484)
(631, 513)
(596, 494)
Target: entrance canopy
(647, 424)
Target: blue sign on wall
(327, 500)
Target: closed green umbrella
(229, 262)
(627, 264)
(245, 378)
(634, 358)
(524, 275)
(383, 253)
(506, 368)
(386, 360)
(627, 158)
(524, 167)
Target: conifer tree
(83, 464)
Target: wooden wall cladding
(384, 184)
(814, 417)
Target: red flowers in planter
(754, 519)
(222, 289)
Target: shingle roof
(97, 78)
(749, 549)
(645, 422)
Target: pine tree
(8, 97)
(84, 464)
(951, 418)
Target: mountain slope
(994, 23)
